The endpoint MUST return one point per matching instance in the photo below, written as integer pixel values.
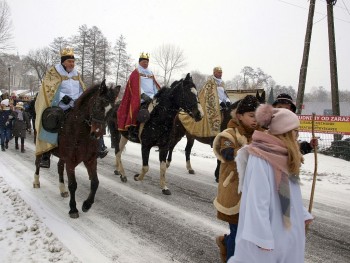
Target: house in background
(325, 108)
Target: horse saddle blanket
(52, 119)
(201, 128)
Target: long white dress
(260, 219)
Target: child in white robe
(272, 220)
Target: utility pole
(333, 58)
(333, 62)
(305, 61)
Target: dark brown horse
(78, 142)
(179, 131)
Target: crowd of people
(258, 191)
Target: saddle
(52, 119)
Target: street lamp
(9, 68)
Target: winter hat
(284, 98)
(277, 120)
(19, 105)
(247, 104)
(5, 102)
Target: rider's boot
(45, 160)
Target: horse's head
(187, 98)
(103, 101)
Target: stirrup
(44, 163)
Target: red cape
(130, 104)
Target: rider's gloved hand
(66, 99)
(145, 97)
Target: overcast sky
(268, 34)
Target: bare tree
(40, 61)
(5, 27)
(199, 79)
(236, 83)
(170, 59)
(56, 47)
(80, 43)
(120, 56)
(104, 58)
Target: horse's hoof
(36, 185)
(136, 177)
(166, 192)
(64, 194)
(86, 207)
(116, 172)
(191, 171)
(123, 179)
(74, 214)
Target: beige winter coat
(227, 201)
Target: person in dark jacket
(6, 118)
(31, 111)
(21, 125)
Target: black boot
(22, 149)
(7, 144)
(45, 160)
(101, 149)
(134, 133)
(16, 146)
(2, 147)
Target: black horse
(182, 95)
(78, 142)
(179, 131)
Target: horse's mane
(160, 93)
(87, 94)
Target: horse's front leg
(36, 182)
(145, 150)
(72, 187)
(118, 158)
(169, 156)
(62, 186)
(189, 145)
(91, 166)
(163, 151)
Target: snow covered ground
(31, 232)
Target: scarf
(19, 115)
(274, 151)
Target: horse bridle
(188, 109)
(92, 119)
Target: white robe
(260, 219)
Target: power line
(346, 7)
(323, 14)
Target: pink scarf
(274, 151)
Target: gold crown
(67, 51)
(144, 55)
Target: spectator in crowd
(285, 101)
(6, 120)
(21, 125)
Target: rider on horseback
(213, 99)
(60, 88)
(139, 92)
